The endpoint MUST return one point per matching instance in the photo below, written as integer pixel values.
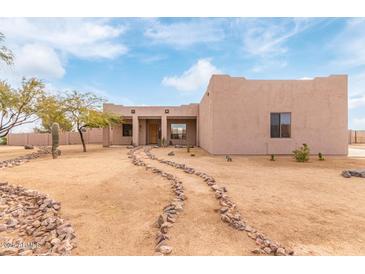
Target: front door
(153, 133)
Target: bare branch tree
(19, 107)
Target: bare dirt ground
(10, 152)
(113, 204)
(308, 207)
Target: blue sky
(168, 61)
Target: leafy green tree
(19, 106)
(83, 110)
(5, 54)
(51, 110)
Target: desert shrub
(3, 141)
(320, 156)
(272, 157)
(302, 154)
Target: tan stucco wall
(233, 116)
(91, 136)
(152, 111)
(206, 120)
(117, 137)
(240, 110)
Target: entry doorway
(153, 133)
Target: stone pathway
(228, 211)
(199, 230)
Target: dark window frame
(127, 130)
(176, 136)
(278, 132)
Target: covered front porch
(158, 130)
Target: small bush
(3, 141)
(320, 156)
(302, 154)
(272, 157)
(192, 155)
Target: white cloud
(42, 46)
(39, 60)
(194, 78)
(184, 34)
(349, 45)
(268, 37)
(356, 102)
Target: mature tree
(83, 110)
(5, 54)
(19, 106)
(51, 110)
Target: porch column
(197, 131)
(106, 137)
(164, 129)
(135, 134)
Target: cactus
(163, 142)
(55, 140)
(320, 156)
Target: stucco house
(242, 116)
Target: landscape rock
(165, 249)
(28, 147)
(30, 214)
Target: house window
(280, 125)
(178, 131)
(127, 130)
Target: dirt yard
(113, 204)
(306, 206)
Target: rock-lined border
(170, 212)
(25, 158)
(353, 173)
(35, 218)
(229, 212)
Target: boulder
(3, 227)
(165, 249)
(280, 252)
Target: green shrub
(3, 141)
(302, 154)
(320, 156)
(272, 157)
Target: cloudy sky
(151, 61)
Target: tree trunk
(82, 139)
